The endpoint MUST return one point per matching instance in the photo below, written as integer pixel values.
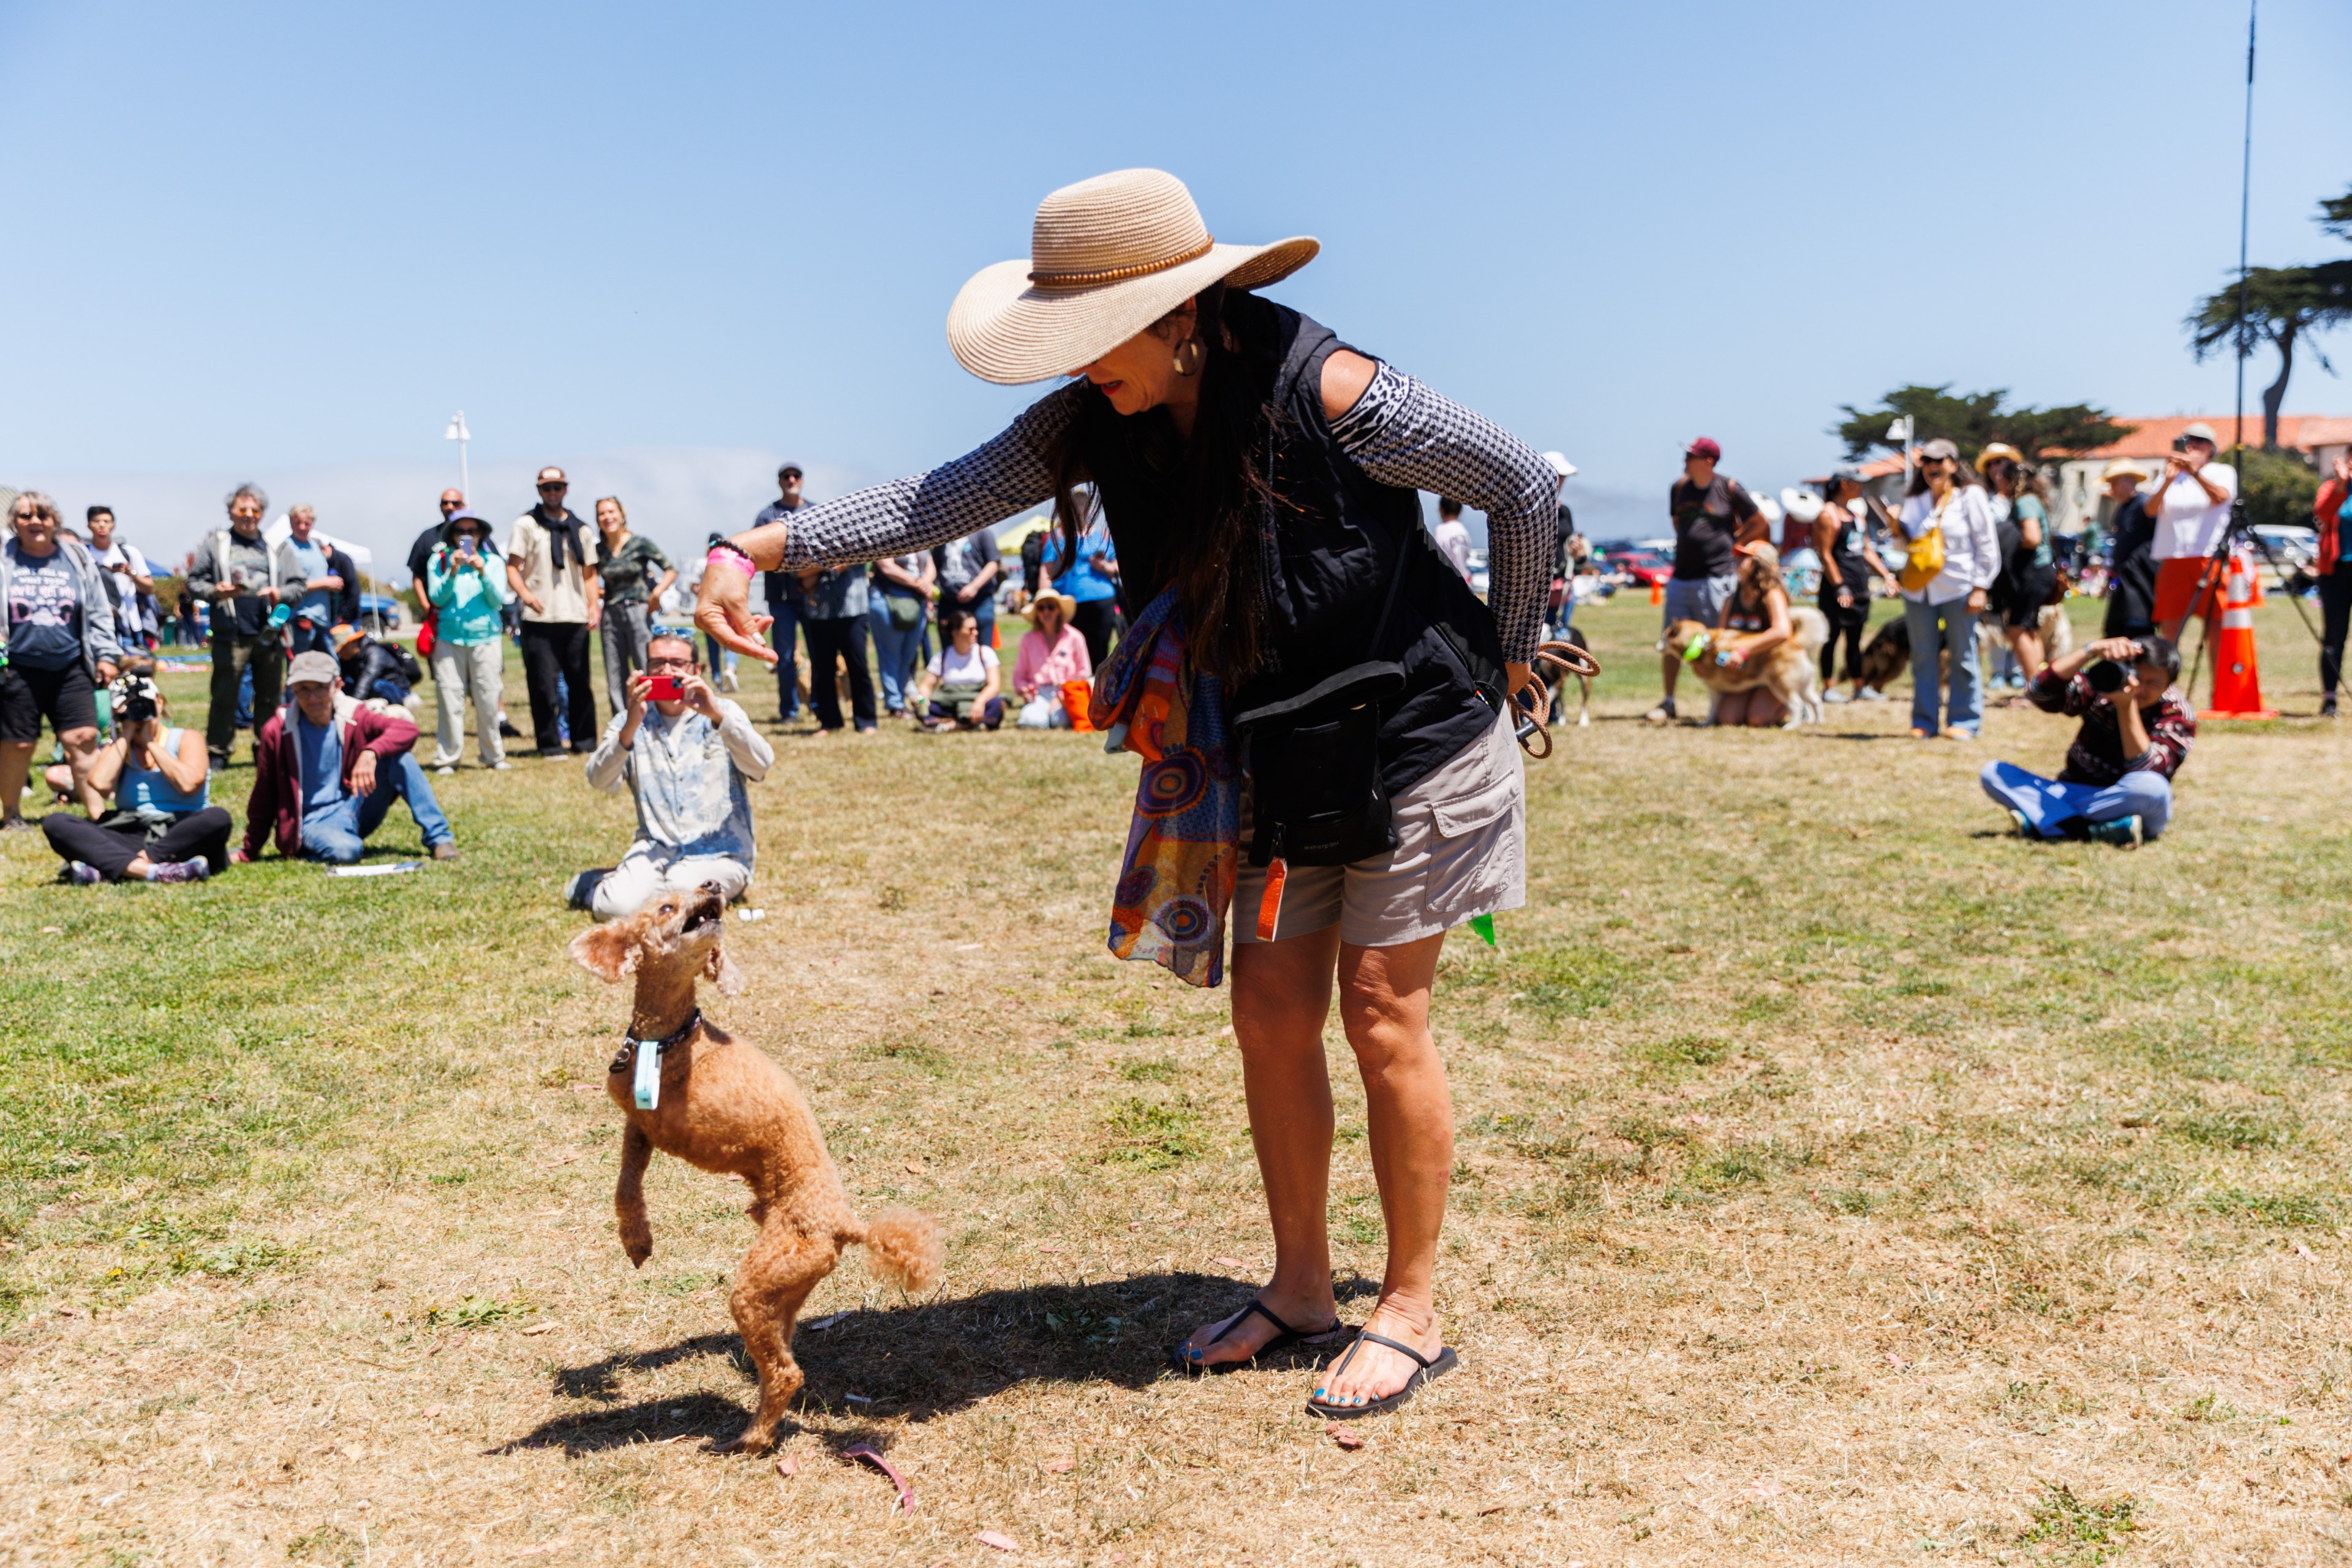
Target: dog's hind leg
(782, 1267)
(629, 1195)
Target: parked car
(1647, 567)
(380, 610)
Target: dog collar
(648, 1086)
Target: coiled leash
(1532, 701)
(648, 1055)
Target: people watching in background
(61, 648)
(465, 582)
(551, 569)
(1089, 576)
(163, 827)
(897, 605)
(375, 672)
(305, 568)
(962, 687)
(327, 770)
(1452, 535)
(238, 574)
(2028, 574)
(834, 602)
(971, 571)
(2117, 786)
(2191, 507)
(1052, 652)
(687, 759)
(1758, 613)
(1942, 615)
(1570, 552)
(129, 579)
(2331, 510)
(626, 567)
(783, 592)
(1850, 563)
(2131, 571)
(1711, 512)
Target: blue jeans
(337, 833)
(1934, 628)
(2048, 805)
(782, 636)
(894, 653)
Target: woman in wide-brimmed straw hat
(1258, 480)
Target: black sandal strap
(1242, 1316)
(1364, 1334)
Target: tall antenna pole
(2245, 195)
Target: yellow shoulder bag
(1924, 563)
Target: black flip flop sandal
(1431, 1369)
(1284, 1340)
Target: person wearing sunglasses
(686, 752)
(1941, 614)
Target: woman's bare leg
(1282, 995)
(1408, 1109)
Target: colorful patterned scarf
(1176, 881)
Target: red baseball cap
(1705, 447)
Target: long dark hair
(2023, 481)
(1218, 476)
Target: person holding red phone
(686, 753)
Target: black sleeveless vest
(1327, 549)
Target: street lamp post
(459, 434)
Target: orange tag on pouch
(1269, 903)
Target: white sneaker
(1836, 697)
(1870, 694)
(446, 769)
(501, 765)
(1663, 713)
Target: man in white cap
(1569, 551)
(2191, 507)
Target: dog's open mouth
(702, 914)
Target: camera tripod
(2208, 588)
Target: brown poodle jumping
(719, 1103)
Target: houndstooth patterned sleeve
(1401, 433)
(984, 487)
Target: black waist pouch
(1315, 764)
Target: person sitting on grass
(962, 687)
(326, 771)
(1052, 653)
(165, 827)
(687, 759)
(1757, 611)
(380, 672)
(2117, 786)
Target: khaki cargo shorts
(1460, 851)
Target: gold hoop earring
(1188, 357)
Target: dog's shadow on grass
(922, 1359)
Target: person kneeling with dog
(686, 752)
(2117, 786)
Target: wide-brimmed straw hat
(1067, 603)
(2121, 467)
(2000, 449)
(1107, 257)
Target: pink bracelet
(731, 556)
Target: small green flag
(1485, 926)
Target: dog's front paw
(753, 1440)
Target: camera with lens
(134, 699)
(2107, 677)
(2180, 443)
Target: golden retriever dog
(721, 1105)
(1790, 671)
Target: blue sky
(668, 246)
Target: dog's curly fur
(724, 1106)
(1788, 669)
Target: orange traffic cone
(1657, 592)
(2237, 685)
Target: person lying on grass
(687, 759)
(2117, 786)
(165, 827)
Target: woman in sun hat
(1942, 612)
(1257, 479)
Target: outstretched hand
(723, 612)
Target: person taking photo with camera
(2191, 507)
(2116, 785)
(165, 827)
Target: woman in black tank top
(1849, 564)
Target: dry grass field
(1839, 1181)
